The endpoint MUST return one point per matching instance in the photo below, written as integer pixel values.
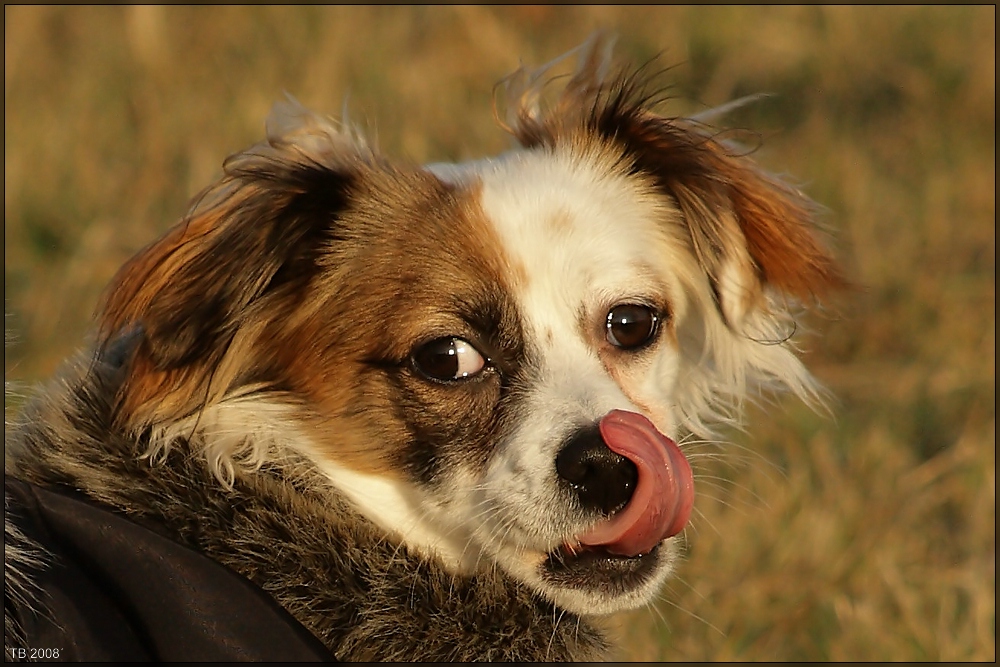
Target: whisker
(661, 598)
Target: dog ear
(251, 240)
(748, 229)
(189, 289)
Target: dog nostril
(601, 479)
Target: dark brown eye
(631, 326)
(448, 359)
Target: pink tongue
(664, 493)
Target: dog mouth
(622, 551)
(588, 567)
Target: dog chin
(591, 581)
(584, 580)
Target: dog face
(493, 361)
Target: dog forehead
(580, 235)
(418, 236)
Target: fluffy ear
(749, 229)
(250, 242)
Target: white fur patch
(408, 515)
(587, 239)
(241, 432)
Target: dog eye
(631, 326)
(448, 359)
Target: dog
(356, 408)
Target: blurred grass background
(868, 534)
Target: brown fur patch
(198, 294)
(419, 262)
(404, 259)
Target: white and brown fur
(259, 356)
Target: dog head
(493, 361)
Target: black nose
(601, 479)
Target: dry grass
(865, 535)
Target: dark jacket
(111, 589)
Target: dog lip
(664, 494)
(596, 567)
(566, 554)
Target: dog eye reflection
(448, 359)
(631, 326)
